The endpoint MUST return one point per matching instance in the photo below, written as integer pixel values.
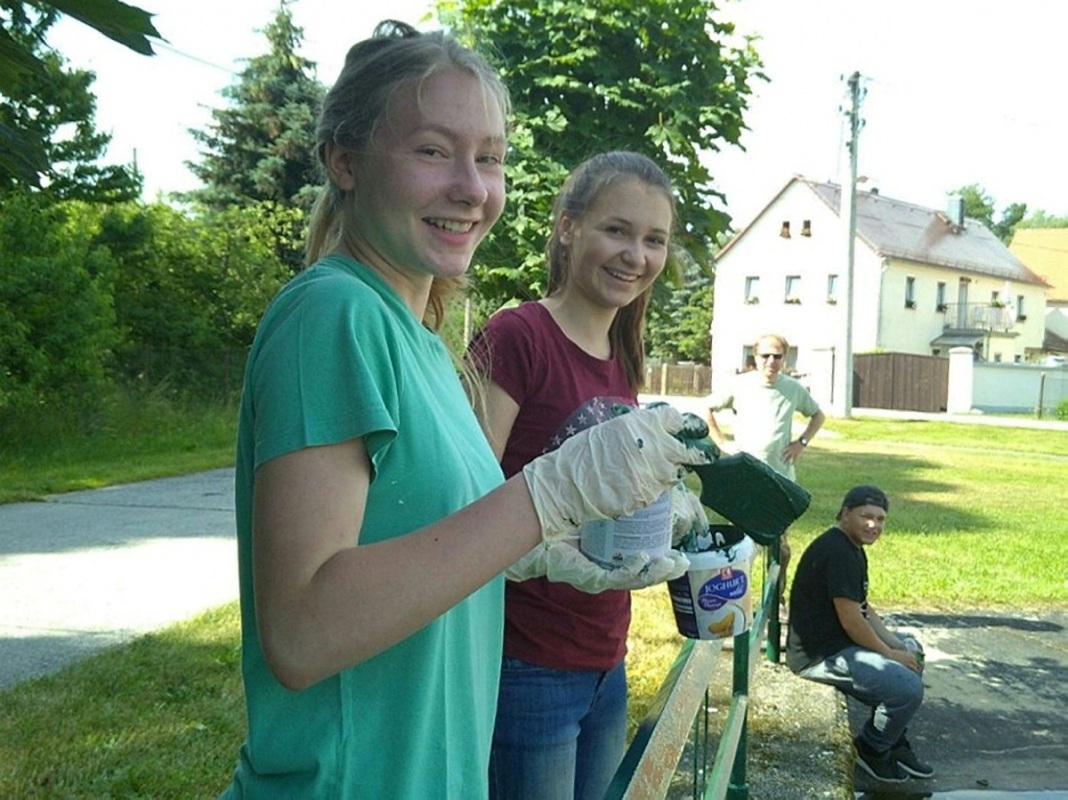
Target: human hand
(688, 518)
(792, 452)
(907, 658)
(563, 562)
(609, 470)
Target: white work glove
(563, 562)
(608, 470)
(687, 515)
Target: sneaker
(909, 761)
(880, 766)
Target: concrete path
(86, 570)
(995, 711)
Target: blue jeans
(892, 690)
(560, 734)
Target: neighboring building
(1045, 252)
(924, 281)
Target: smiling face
(863, 525)
(620, 245)
(430, 186)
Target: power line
(197, 59)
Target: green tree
(979, 205)
(1040, 219)
(32, 83)
(680, 318)
(189, 291)
(260, 148)
(661, 77)
(54, 108)
(56, 312)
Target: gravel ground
(799, 741)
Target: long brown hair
(396, 55)
(580, 191)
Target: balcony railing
(978, 317)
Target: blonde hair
(773, 337)
(580, 191)
(395, 56)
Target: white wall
(1004, 388)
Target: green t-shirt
(339, 356)
(764, 415)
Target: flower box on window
(832, 300)
(793, 300)
(942, 308)
(910, 304)
(752, 300)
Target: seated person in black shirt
(836, 637)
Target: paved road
(87, 570)
(995, 710)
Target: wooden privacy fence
(901, 381)
(681, 712)
(679, 380)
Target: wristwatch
(804, 441)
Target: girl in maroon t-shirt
(551, 368)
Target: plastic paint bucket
(713, 600)
(647, 530)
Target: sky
(956, 92)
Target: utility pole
(843, 368)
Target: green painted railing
(680, 713)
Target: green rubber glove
(563, 562)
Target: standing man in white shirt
(764, 401)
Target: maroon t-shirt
(560, 389)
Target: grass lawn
(977, 517)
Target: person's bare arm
(865, 634)
(325, 602)
(714, 431)
(793, 451)
(815, 422)
(497, 415)
(884, 633)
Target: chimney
(955, 210)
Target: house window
(910, 292)
(752, 289)
(832, 289)
(784, 231)
(940, 297)
(806, 227)
(793, 289)
(1020, 315)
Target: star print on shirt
(592, 412)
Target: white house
(923, 281)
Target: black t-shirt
(831, 566)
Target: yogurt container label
(648, 530)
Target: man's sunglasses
(775, 356)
